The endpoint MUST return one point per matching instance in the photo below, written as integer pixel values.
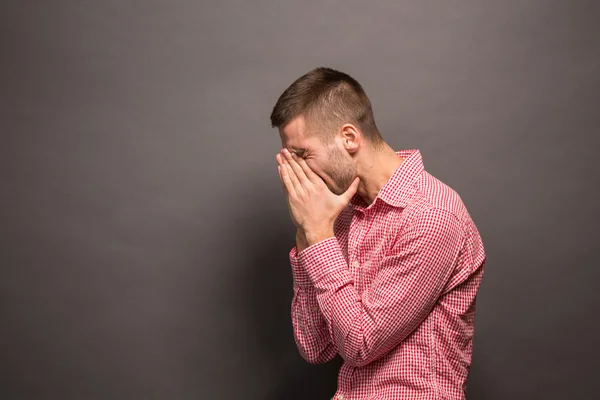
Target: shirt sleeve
(405, 288)
(310, 328)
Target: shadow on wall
(266, 237)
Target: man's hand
(313, 207)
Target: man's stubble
(341, 170)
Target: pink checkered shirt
(393, 292)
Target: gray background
(143, 230)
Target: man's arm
(310, 328)
(406, 286)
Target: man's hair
(327, 99)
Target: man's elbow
(313, 360)
(358, 351)
(317, 357)
(365, 355)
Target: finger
(279, 159)
(285, 177)
(293, 178)
(298, 171)
(351, 191)
(281, 179)
(310, 174)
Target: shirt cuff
(299, 274)
(322, 259)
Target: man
(387, 261)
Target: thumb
(351, 191)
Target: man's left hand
(313, 207)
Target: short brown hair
(327, 98)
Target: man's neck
(375, 171)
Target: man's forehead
(294, 130)
(292, 142)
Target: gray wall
(143, 230)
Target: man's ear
(351, 137)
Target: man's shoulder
(434, 197)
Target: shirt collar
(399, 187)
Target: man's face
(329, 161)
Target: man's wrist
(300, 241)
(316, 237)
(306, 239)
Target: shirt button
(340, 397)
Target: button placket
(358, 237)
